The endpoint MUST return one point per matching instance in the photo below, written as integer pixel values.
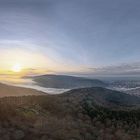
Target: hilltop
(103, 97)
(66, 82)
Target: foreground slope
(7, 90)
(79, 114)
(66, 82)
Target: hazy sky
(91, 36)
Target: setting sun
(16, 68)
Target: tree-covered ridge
(68, 116)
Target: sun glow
(17, 68)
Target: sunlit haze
(81, 37)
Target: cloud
(122, 69)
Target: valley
(90, 113)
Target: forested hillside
(69, 116)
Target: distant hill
(7, 90)
(99, 95)
(66, 82)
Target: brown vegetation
(59, 117)
(7, 90)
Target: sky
(95, 37)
